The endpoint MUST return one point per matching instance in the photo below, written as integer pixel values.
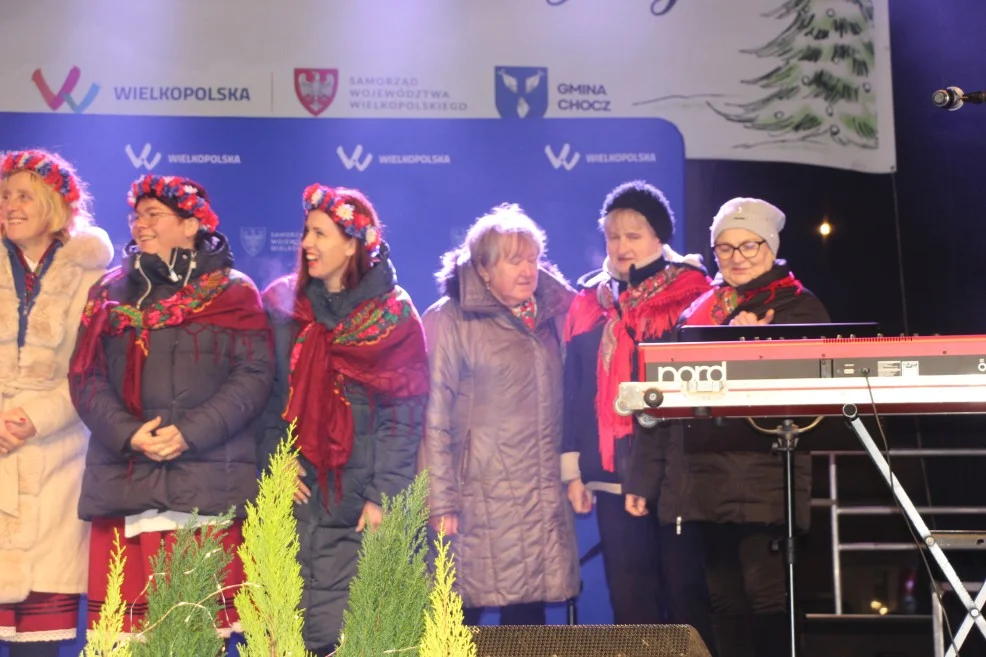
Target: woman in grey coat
(494, 417)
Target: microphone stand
(786, 441)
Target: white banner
(805, 81)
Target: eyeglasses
(149, 218)
(746, 249)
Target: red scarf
(719, 305)
(527, 312)
(209, 299)
(646, 312)
(380, 346)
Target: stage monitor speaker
(589, 641)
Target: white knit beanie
(753, 214)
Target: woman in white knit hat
(721, 480)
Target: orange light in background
(825, 228)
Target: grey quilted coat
(492, 442)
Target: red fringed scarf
(380, 345)
(718, 305)
(646, 312)
(209, 299)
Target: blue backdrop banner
(428, 178)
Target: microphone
(952, 98)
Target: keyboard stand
(786, 442)
(934, 542)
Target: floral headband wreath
(53, 170)
(180, 193)
(343, 209)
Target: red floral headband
(182, 191)
(342, 208)
(53, 170)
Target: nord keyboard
(802, 377)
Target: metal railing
(838, 511)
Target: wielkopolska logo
(144, 159)
(316, 88)
(55, 100)
(521, 91)
(360, 160)
(565, 159)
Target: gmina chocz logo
(521, 91)
(55, 100)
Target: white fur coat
(43, 544)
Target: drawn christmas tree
(821, 87)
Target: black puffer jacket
(722, 470)
(209, 382)
(387, 434)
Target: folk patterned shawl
(643, 312)
(380, 345)
(212, 299)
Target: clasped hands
(16, 429)
(158, 443)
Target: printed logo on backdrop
(567, 158)
(286, 241)
(582, 97)
(397, 93)
(355, 160)
(181, 93)
(316, 88)
(360, 161)
(253, 239)
(55, 100)
(147, 161)
(521, 91)
(141, 160)
(562, 160)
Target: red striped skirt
(40, 617)
(139, 551)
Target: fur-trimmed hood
(464, 285)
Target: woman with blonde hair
(494, 420)
(54, 254)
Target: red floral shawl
(380, 345)
(643, 312)
(718, 305)
(212, 298)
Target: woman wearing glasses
(172, 365)
(720, 476)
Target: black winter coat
(722, 470)
(209, 383)
(383, 461)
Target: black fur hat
(648, 201)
